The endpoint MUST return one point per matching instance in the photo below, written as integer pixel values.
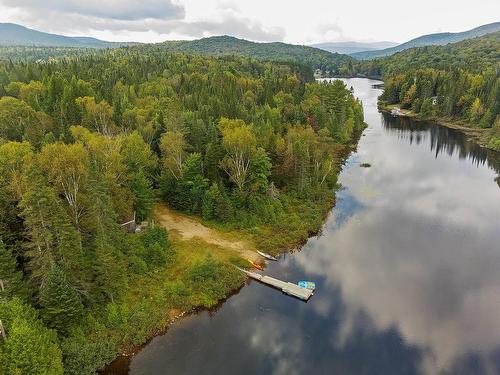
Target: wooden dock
(286, 287)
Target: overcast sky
(293, 21)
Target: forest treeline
(88, 141)
(458, 81)
(308, 58)
(329, 63)
(34, 53)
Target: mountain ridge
(430, 40)
(12, 34)
(276, 51)
(350, 47)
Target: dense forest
(436, 39)
(474, 55)
(45, 54)
(328, 62)
(458, 81)
(86, 142)
(308, 57)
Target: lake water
(407, 269)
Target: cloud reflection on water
(422, 255)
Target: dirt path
(189, 228)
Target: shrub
(30, 347)
(89, 348)
(212, 280)
(157, 250)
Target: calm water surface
(407, 270)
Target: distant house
(130, 225)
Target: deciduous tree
(173, 148)
(240, 145)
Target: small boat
(258, 266)
(307, 285)
(267, 256)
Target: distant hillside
(15, 38)
(474, 55)
(220, 45)
(429, 40)
(352, 47)
(17, 35)
(458, 82)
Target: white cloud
(331, 31)
(264, 20)
(233, 24)
(148, 21)
(110, 9)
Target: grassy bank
(198, 276)
(484, 137)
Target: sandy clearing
(190, 228)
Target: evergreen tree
(208, 205)
(193, 183)
(213, 155)
(216, 204)
(426, 109)
(157, 247)
(260, 171)
(105, 244)
(11, 277)
(61, 305)
(38, 207)
(11, 225)
(52, 237)
(144, 196)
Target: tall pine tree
(144, 196)
(52, 237)
(10, 276)
(105, 243)
(61, 306)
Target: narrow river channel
(407, 269)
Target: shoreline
(476, 135)
(177, 315)
(128, 351)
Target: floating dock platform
(286, 287)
